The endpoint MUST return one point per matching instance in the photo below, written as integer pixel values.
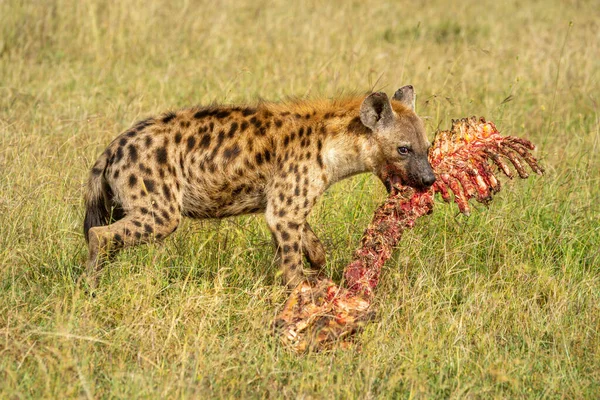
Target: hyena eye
(403, 150)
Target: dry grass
(503, 304)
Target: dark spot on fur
(202, 114)
(178, 137)
(232, 152)
(133, 153)
(96, 171)
(166, 191)
(144, 123)
(145, 169)
(357, 127)
(259, 158)
(278, 123)
(148, 228)
(150, 185)
(161, 155)
(236, 191)
(285, 235)
(132, 180)
(301, 132)
(286, 141)
(232, 129)
(123, 142)
(191, 142)
(220, 138)
(260, 131)
(116, 174)
(119, 154)
(248, 111)
(244, 126)
(138, 235)
(223, 114)
(168, 117)
(286, 248)
(144, 211)
(319, 160)
(204, 142)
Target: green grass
(503, 304)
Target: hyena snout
(421, 174)
(428, 177)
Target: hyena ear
(376, 110)
(406, 96)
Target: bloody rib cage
(465, 160)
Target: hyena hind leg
(134, 229)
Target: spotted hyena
(277, 159)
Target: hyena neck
(347, 146)
(346, 154)
(349, 149)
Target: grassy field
(503, 304)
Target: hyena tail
(96, 212)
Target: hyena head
(399, 138)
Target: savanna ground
(503, 304)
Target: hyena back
(276, 159)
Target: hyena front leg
(287, 227)
(139, 226)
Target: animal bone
(320, 314)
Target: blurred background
(503, 304)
